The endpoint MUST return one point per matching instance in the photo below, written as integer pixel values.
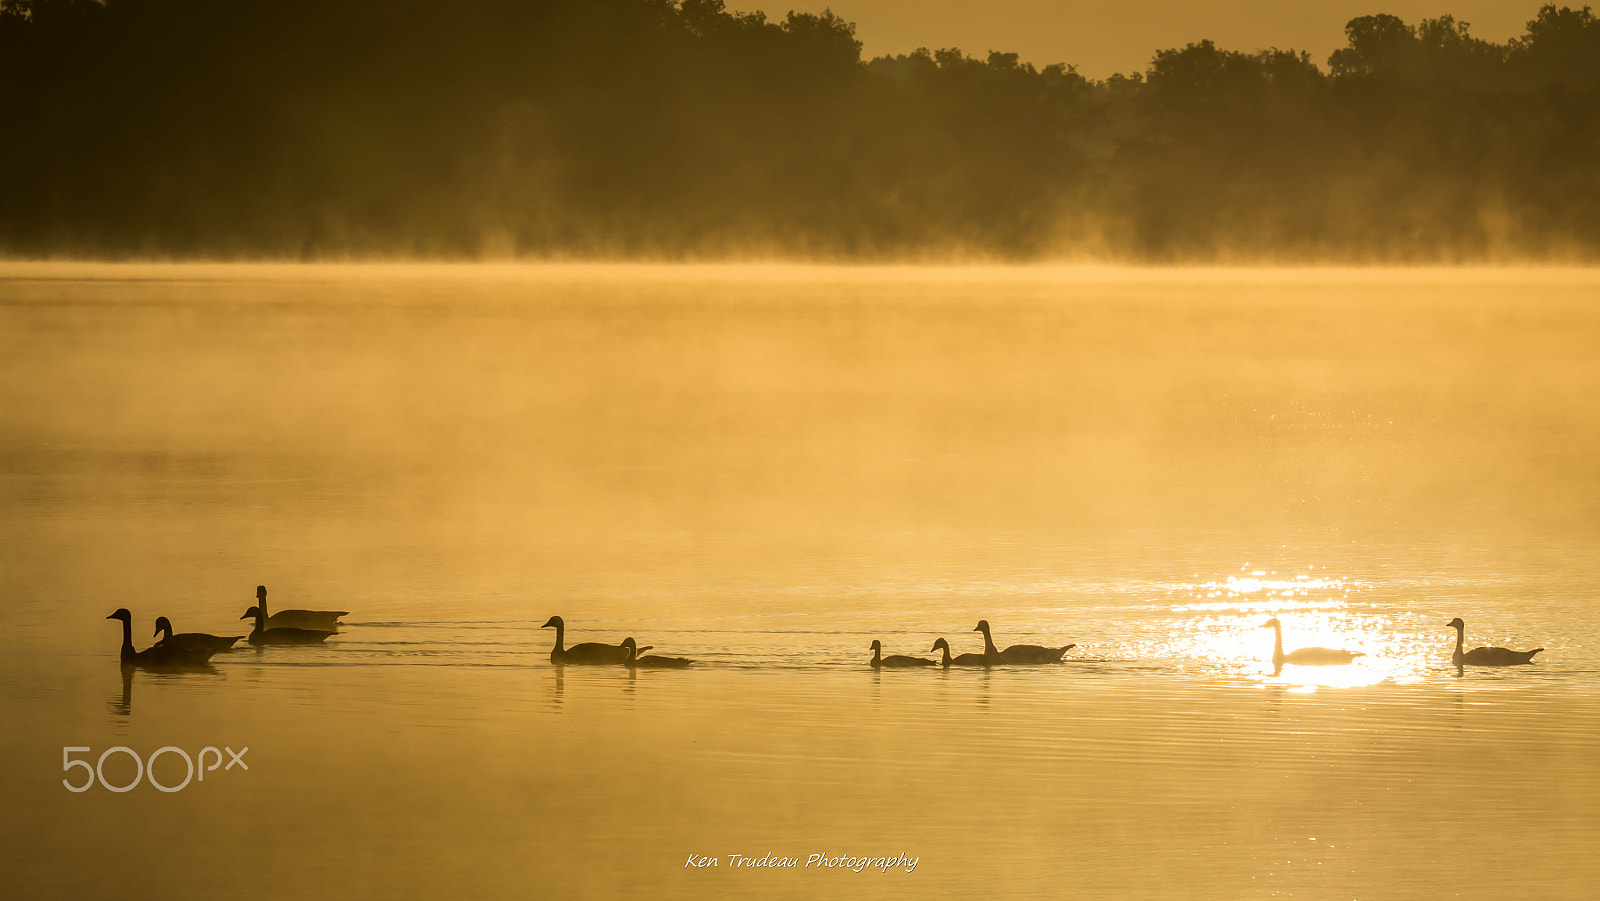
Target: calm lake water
(764, 469)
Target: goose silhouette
(1018, 653)
(316, 620)
(631, 658)
(960, 659)
(156, 656)
(192, 640)
(280, 635)
(898, 661)
(588, 652)
(1485, 656)
(1304, 656)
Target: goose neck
(989, 649)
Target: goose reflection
(124, 705)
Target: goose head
(162, 625)
(877, 646)
(941, 643)
(252, 613)
(630, 647)
(1272, 624)
(554, 621)
(122, 614)
(1455, 624)
(261, 592)
(982, 626)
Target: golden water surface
(764, 469)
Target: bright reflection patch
(1221, 622)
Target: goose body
(631, 658)
(959, 659)
(319, 620)
(261, 636)
(1485, 656)
(316, 620)
(588, 652)
(156, 656)
(897, 661)
(1032, 653)
(1305, 656)
(1018, 653)
(192, 640)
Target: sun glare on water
(1225, 622)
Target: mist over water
(764, 469)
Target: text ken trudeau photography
(823, 861)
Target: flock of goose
(195, 648)
(1021, 654)
(299, 627)
(627, 653)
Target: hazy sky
(1106, 36)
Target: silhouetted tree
(672, 128)
(1562, 46)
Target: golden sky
(1105, 36)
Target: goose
(316, 620)
(1304, 656)
(198, 640)
(588, 652)
(897, 660)
(1018, 653)
(1486, 656)
(156, 656)
(961, 659)
(630, 658)
(261, 635)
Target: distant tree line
(678, 129)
